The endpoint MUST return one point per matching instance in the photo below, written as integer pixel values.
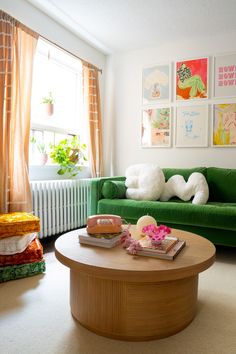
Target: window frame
(41, 127)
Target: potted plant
(41, 147)
(70, 155)
(49, 104)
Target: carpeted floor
(35, 316)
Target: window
(57, 76)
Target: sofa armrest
(96, 191)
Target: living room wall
(123, 107)
(37, 20)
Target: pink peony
(156, 233)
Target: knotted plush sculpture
(144, 182)
(147, 182)
(196, 187)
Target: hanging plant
(49, 103)
(70, 155)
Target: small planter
(43, 159)
(49, 108)
(48, 101)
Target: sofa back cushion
(222, 184)
(114, 189)
(185, 172)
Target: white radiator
(61, 205)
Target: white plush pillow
(196, 187)
(144, 182)
(16, 244)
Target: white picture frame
(196, 88)
(223, 125)
(156, 127)
(156, 83)
(224, 73)
(191, 126)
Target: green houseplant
(70, 155)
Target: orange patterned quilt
(18, 223)
(33, 253)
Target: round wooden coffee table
(130, 297)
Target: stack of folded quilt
(21, 253)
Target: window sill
(49, 172)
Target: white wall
(38, 21)
(123, 108)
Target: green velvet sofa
(215, 220)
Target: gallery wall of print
(179, 98)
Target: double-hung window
(57, 103)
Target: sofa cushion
(114, 189)
(144, 181)
(185, 172)
(222, 184)
(211, 215)
(196, 187)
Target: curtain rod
(74, 55)
(2, 13)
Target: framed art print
(191, 129)
(191, 80)
(156, 83)
(225, 75)
(156, 127)
(224, 125)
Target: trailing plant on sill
(39, 145)
(69, 154)
(42, 149)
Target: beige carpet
(35, 316)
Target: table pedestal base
(133, 311)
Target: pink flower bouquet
(156, 234)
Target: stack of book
(101, 240)
(167, 249)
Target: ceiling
(123, 25)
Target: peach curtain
(17, 48)
(93, 114)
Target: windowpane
(58, 75)
(59, 137)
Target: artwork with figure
(191, 126)
(192, 79)
(224, 124)
(156, 83)
(156, 125)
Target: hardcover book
(170, 255)
(163, 247)
(101, 240)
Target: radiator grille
(61, 205)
